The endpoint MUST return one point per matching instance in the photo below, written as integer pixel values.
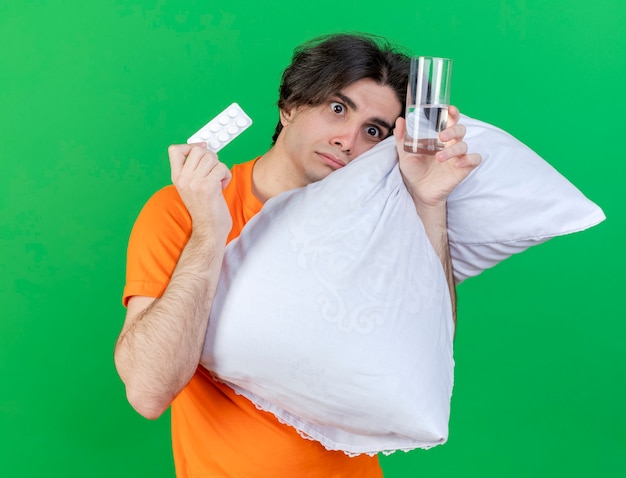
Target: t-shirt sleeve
(156, 241)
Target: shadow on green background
(91, 94)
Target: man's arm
(431, 178)
(161, 341)
(434, 219)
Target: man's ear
(286, 114)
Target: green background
(91, 94)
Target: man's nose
(346, 137)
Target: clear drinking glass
(427, 101)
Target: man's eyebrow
(347, 101)
(378, 121)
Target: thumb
(177, 154)
(398, 130)
(398, 133)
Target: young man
(341, 95)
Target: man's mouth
(332, 160)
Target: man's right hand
(200, 178)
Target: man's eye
(338, 108)
(373, 131)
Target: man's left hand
(430, 178)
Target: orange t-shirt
(215, 432)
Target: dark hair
(324, 66)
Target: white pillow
(333, 313)
(512, 201)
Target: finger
(453, 133)
(194, 158)
(453, 115)
(178, 154)
(452, 150)
(220, 172)
(199, 162)
(203, 167)
(469, 161)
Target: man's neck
(271, 175)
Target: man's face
(318, 140)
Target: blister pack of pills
(222, 129)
